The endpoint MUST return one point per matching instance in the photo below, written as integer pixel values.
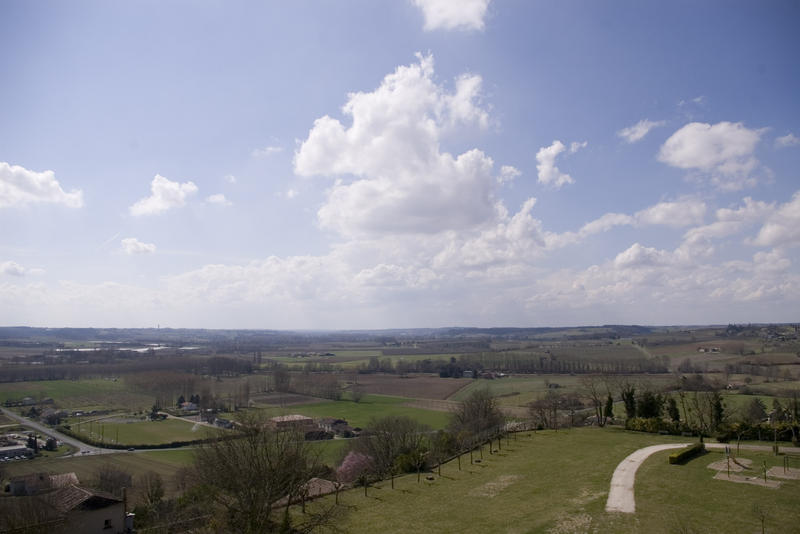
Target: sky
(362, 164)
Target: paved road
(620, 495)
(79, 445)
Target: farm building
(292, 422)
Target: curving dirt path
(620, 496)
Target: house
(62, 505)
(36, 483)
(188, 406)
(292, 422)
(86, 511)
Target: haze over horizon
(404, 164)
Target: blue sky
(405, 163)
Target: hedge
(105, 445)
(687, 454)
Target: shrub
(687, 454)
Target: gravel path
(620, 496)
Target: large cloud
(783, 226)
(453, 14)
(20, 186)
(165, 195)
(724, 150)
(404, 181)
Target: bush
(653, 425)
(687, 454)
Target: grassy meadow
(558, 482)
(142, 432)
(358, 414)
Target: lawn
(358, 414)
(143, 432)
(558, 482)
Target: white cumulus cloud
(131, 245)
(548, 173)
(20, 186)
(787, 141)
(403, 181)
(165, 195)
(782, 227)
(634, 133)
(453, 14)
(507, 174)
(677, 214)
(724, 150)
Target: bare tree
(246, 474)
(477, 415)
(152, 489)
(596, 388)
(392, 438)
(112, 479)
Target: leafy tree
(609, 410)
(672, 410)
(649, 405)
(717, 409)
(628, 394)
(756, 411)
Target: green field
(143, 432)
(165, 463)
(85, 394)
(557, 482)
(358, 414)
